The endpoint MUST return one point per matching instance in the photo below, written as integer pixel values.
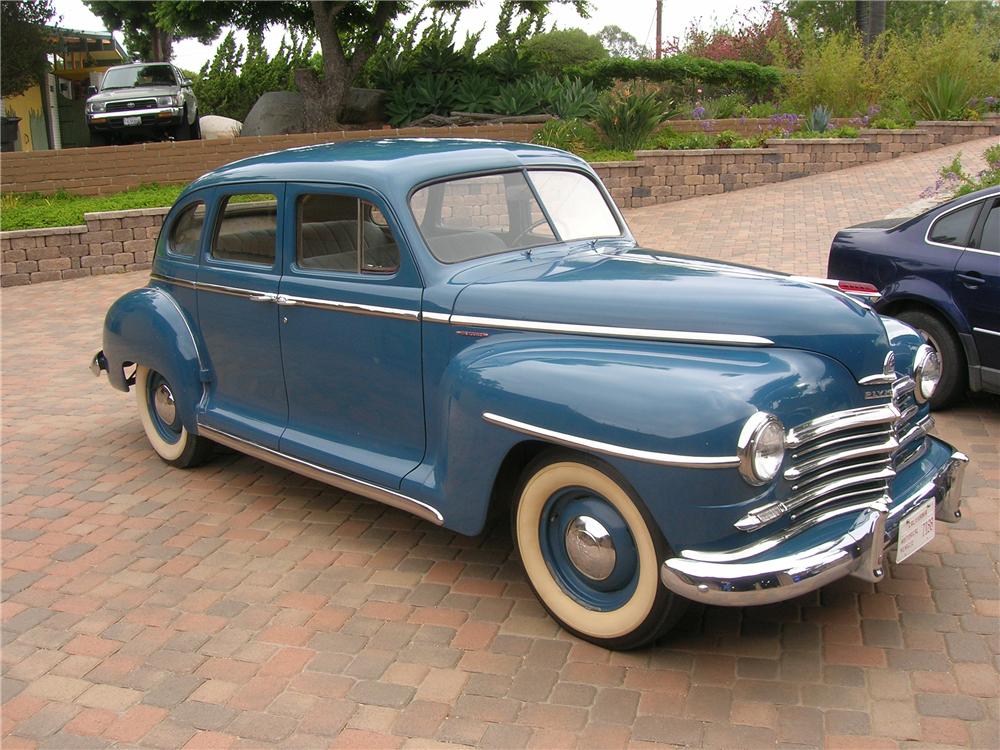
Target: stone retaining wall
(118, 241)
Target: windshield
(472, 217)
(139, 75)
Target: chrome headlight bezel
(761, 430)
(94, 107)
(926, 373)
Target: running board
(327, 476)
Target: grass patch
(34, 210)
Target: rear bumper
(763, 573)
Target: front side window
(247, 229)
(955, 228)
(473, 217)
(185, 234)
(341, 233)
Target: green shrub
(762, 110)
(884, 123)
(34, 211)
(629, 115)
(475, 93)
(845, 131)
(555, 50)
(726, 139)
(754, 81)
(724, 107)
(943, 99)
(836, 73)
(517, 99)
(956, 181)
(667, 139)
(427, 94)
(570, 135)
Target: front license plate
(915, 530)
(129, 121)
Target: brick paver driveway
(239, 605)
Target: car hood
(137, 92)
(642, 289)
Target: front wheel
(161, 421)
(592, 552)
(954, 371)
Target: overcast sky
(635, 16)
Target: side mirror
(91, 90)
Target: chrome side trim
(740, 578)
(173, 280)
(352, 307)
(327, 476)
(650, 334)
(986, 331)
(433, 317)
(652, 457)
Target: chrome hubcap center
(163, 402)
(590, 548)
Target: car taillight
(857, 287)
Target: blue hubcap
(589, 549)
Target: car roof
(389, 165)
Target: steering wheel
(517, 240)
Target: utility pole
(659, 29)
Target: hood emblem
(889, 367)
(131, 105)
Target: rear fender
(147, 327)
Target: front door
(349, 303)
(237, 289)
(977, 289)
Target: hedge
(755, 80)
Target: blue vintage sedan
(939, 272)
(464, 329)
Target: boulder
(214, 127)
(362, 106)
(276, 113)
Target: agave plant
(402, 106)
(943, 99)
(475, 94)
(516, 99)
(628, 116)
(543, 88)
(435, 93)
(819, 119)
(508, 63)
(572, 99)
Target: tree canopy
(619, 43)
(148, 35)
(22, 44)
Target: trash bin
(8, 132)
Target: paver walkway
(239, 605)
(788, 226)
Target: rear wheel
(592, 552)
(160, 416)
(954, 370)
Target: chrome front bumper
(759, 574)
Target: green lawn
(33, 210)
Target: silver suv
(151, 100)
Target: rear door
(349, 303)
(976, 287)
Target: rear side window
(345, 234)
(991, 231)
(185, 235)
(247, 229)
(955, 228)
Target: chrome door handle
(285, 300)
(972, 280)
(266, 297)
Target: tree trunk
(161, 45)
(323, 98)
(869, 15)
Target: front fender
(147, 327)
(677, 399)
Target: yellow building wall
(30, 107)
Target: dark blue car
(939, 272)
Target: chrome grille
(847, 457)
(135, 104)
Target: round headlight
(761, 448)
(926, 373)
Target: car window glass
(185, 235)
(991, 231)
(575, 205)
(474, 217)
(954, 228)
(341, 233)
(247, 228)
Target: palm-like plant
(943, 98)
(628, 116)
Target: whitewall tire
(159, 414)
